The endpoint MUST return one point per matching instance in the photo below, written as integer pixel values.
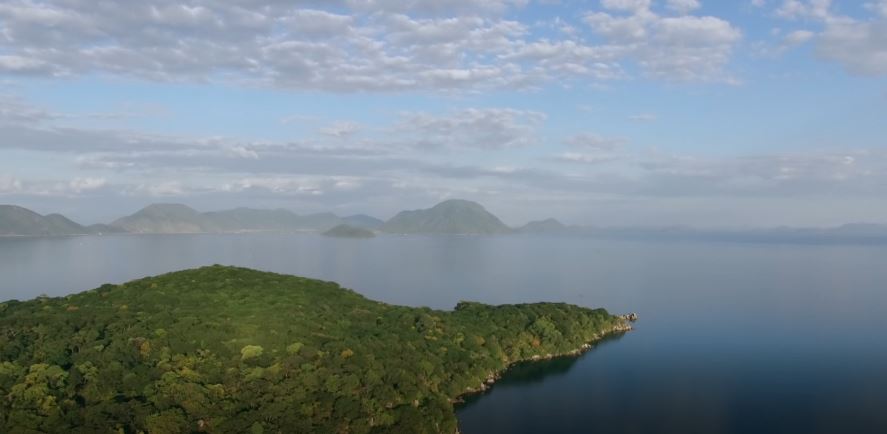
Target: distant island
(348, 231)
(547, 226)
(448, 217)
(231, 350)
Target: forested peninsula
(232, 350)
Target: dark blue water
(733, 338)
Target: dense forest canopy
(231, 350)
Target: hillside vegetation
(231, 350)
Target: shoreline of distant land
(451, 217)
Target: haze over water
(733, 337)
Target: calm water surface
(733, 338)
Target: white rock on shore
(631, 317)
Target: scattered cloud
(14, 64)
(341, 129)
(673, 48)
(592, 149)
(461, 48)
(586, 157)
(287, 185)
(80, 185)
(350, 46)
(594, 142)
(879, 7)
(784, 42)
(855, 43)
(797, 37)
(823, 173)
(75, 187)
(241, 151)
(158, 189)
(473, 128)
(627, 5)
(15, 110)
(9, 184)
(814, 9)
(683, 6)
(137, 164)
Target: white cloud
(818, 9)
(855, 172)
(683, 6)
(24, 65)
(627, 5)
(682, 48)
(15, 110)
(879, 7)
(159, 189)
(341, 46)
(785, 42)
(310, 185)
(74, 187)
(437, 7)
(859, 45)
(80, 185)
(241, 151)
(568, 58)
(318, 23)
(586, 157)
(9, 184)
(341, 129)
(288, 185)
(595, 142)
(394, 161)
(589, 148)
(488, 129)
(798, 37)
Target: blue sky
(610, 112)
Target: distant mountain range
(15, 220)
(448, 217)
(177, 218)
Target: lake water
(733, 337)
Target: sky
(703, 113)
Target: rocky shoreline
(623, 327)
